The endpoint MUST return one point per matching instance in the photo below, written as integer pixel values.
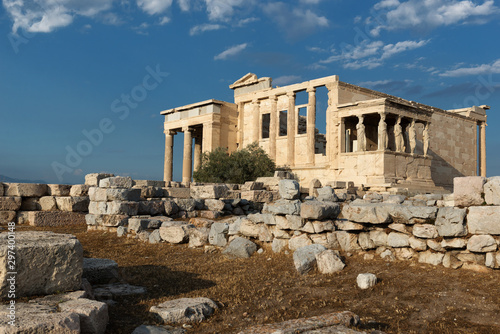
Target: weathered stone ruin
(369, 138)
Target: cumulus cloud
(231, 52)
(482, 69)
(184, 5)
(204, 27)
(286, 80)
(222, 10)
(370, 54)
(153, 7)
(48, 15)
(305, 21)
(429, 14)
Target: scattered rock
(329, 262)
(240, 248)
(304, 258)
(93, 314)
(185, 310)
(366, 281)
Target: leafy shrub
(242, 165)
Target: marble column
(197, 152)
(291, 130)
(425, 135)
(187, 158)
(482, 146)
(273, 127)
(241, 124)
(256, 120)
(311, 126)
(169, 155)
(382, 133)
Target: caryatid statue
(398, 136)
(382, 133)
(426, 138)
(361, 136)
(412, 134)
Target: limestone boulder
(54, 218)
(188, 204)
(299, 241)
(151, 207)
(106, 220)
(214, 204)
(450, 222)
(170, 207)
(482, 244)
(366, 281)
(283, 207)
(493, 260)
(329, 262)
(304, 258)
(468, 190)
(492, 191)
(100, 271)
(264, 218)
(93, 314)
(79, 190)
(365, 242)
(59, 189)
(213, 191)
(425, 231)
(26, 189)
(93, 179)
(7, 216)
(412, 214)
(379, 238)
(327, 194)
(72, 204)
(240, 248)
(176, 234)
(121, 208)
(396, 240)
(116, 182)
(185, 310)
(319, 210)
(348, 241)
(484, 220)
(417, 244)
(260, 196)
(55, 258)
(455, 243)
(430, 257)
(373, 213)
(218, 233)
(289, 222)
(10, 203)
(114, 290)
(249, 228)
(289, 189)
(198, 237)
(36, 318)
(48, 203)
(279, 245)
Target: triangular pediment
(246, 79)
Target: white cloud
(184, 5)
(304, 21)
(48, 15)
(222, 10)
(231, 52)
(310, 2)
(474, 70)
(369, 54)
(391, 49)
(164, 20)
(246, 21)
(204, 27)
(429, 14)
(286, 80)
(153, 7)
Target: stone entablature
(371, 138)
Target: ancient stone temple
(372, 139)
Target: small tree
(243, 165)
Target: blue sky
(83, 82)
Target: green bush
(242, 165)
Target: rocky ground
(409, 297)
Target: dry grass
(409, 298)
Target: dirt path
(409, 298)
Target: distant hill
(4, 178)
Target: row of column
(188, 160)
(291, 125)
(383, 138)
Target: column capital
(311, 90)
(187, 128)
(290, 94)
(256, 101)
(273, 98)
(170, 132)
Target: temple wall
(453, 148)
